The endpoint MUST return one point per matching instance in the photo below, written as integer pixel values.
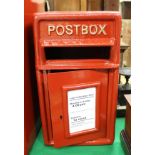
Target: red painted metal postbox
(77, 60)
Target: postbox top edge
(80, 14)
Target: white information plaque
(81, 109)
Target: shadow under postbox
(77, 60)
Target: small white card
(81, 109)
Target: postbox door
(78, 101)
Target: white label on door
(81, 109)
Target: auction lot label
(81, 109)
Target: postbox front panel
(77, 60)
(78, 105)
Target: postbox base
(100, 141)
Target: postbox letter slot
(61, 53)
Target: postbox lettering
(77, 29)
(84, 29)
(102, 29)
(69, 29)
(60, 30)
(50, 29)
(93, 29)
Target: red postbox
(77, 61)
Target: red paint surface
(31, 110)
(52, 76)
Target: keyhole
(60, 116)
